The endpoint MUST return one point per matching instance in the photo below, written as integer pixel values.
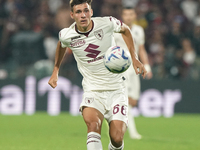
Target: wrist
(134, 58)
(147, 67)
(56, 69)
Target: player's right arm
(60, 53)
(122, 28)
(127, 36)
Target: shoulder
(66, 32)
(63, 32)
(101, 19)
(106, 23)
(105, 19)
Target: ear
(91, 12)
(71, 15)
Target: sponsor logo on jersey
(89, 100)
(92, 52)
(77, 43)
(74, 38)
(93, 60)
(99, 34)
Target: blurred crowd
(29, 34)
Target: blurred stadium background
(169, 107)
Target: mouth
(83, 21)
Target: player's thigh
(132, 102)
(93, 119)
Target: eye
(78, 11)
(86, 10)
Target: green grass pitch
(66, 132)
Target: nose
(83, 15)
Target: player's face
(128, 16)
(82, 14)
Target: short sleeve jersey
(89, 49)
(138, 37)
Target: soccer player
(104, 92)
(133, 81)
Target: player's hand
(149, 75)
(53, 80)
(139, 68)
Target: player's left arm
(127, 36)
(144, 59)
(60, 53)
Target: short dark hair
(77, 2)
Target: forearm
(129, 42)
(143, 55)
(60, 53)
(144, 58)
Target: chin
(84, 26)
